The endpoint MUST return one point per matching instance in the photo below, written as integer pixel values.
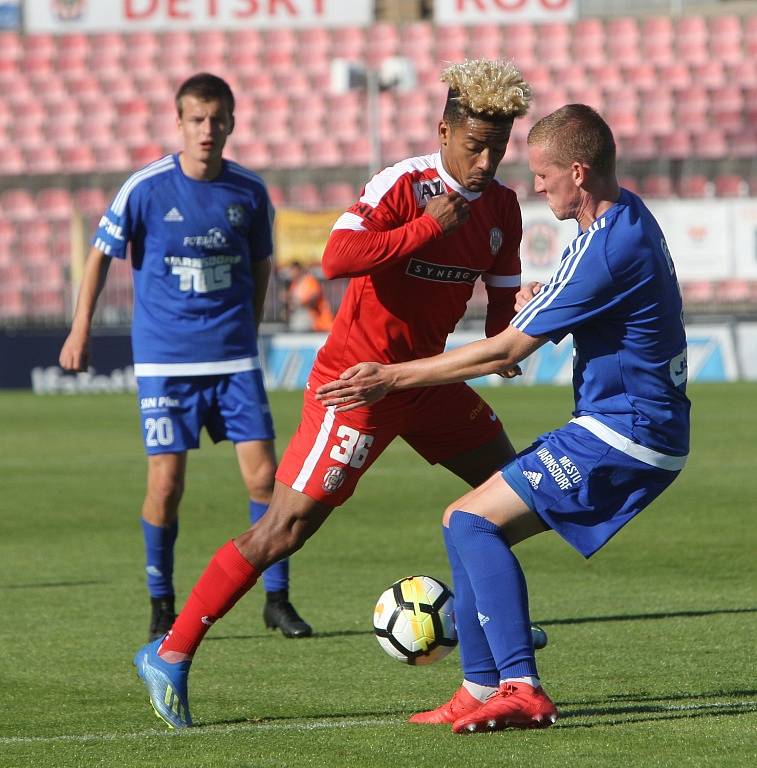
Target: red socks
(227, 577)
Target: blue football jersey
(192, 246)
(616, 291)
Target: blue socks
(276, 576)
(495, 579)
(476, 658)
(159, 545)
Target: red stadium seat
(642, 146)
(18, 205)
(697, 292)
(77, 159)
(111, 157)
(348, 43)
(55, 202)
(676, 145)
(711, 144)
(743, 143)
(675, 75)
(91, 201)
(657, 185)
(287, 154)
(305, 196)
(734, 291)
(694, 186)
(622, 41)
(730, 185)
(43, 159)
(252, 153)
(656, 117)
(324, 153)
(11, 161)
(338, 194)
(276, 195)
(357, 151)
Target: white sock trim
(534, 682)
(479, 692)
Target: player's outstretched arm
(366, 383)
(74, 354)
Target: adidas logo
(534, 478)
(482, 619)
(173, 215)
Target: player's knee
(260, 480)
(166, 490)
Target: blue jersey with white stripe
(616, 291)
(192, 246)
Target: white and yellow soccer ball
(414, 620)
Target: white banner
(709, 239)
(744, 229)
(65, 16)
(698, 236)
(503, 11)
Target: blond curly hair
(490, 88)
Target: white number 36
(353, 449)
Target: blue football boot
(166, 683)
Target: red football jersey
(410, 283)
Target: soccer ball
(414, 620)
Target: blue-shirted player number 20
(159, 431)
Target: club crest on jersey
(333, 479)
(496, 239)
(235, 215)
(425, 189)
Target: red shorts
(330, 451)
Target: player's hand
(450, 210)
(361, 385)
(74, 354)
(525, 294)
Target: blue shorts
(583, 488)
(174, 409)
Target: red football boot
(515, 705)
(460, 705)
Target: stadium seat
(735, 291)
(622, 41)
(743, 143)
(357, 151)
(43, 159)
(656, 117)
(12, 300)
(18, 204)
(730, 185)
(77, 159)
(697, 292)
(708, 73)
(656, 185)
(675, 145)
(642, 146)
(287, 154)
(675, 75)
(251, 152)
(11, 161)
(305, 196)
(694, 186)
(710, 144)
(348, 43)
(111, 157)
(657, 40)
(338, 194)
(91, 201)
(55, 202)
(323, 153)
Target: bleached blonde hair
(487, 87)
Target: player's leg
(257, 463)
(171, 413)
(164, 665)
(160, 526)
(483, 525)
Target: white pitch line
(314, 725)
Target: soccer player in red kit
(421, 234)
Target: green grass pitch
(651, 655)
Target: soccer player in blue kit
(199, 227)
(616, 291)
